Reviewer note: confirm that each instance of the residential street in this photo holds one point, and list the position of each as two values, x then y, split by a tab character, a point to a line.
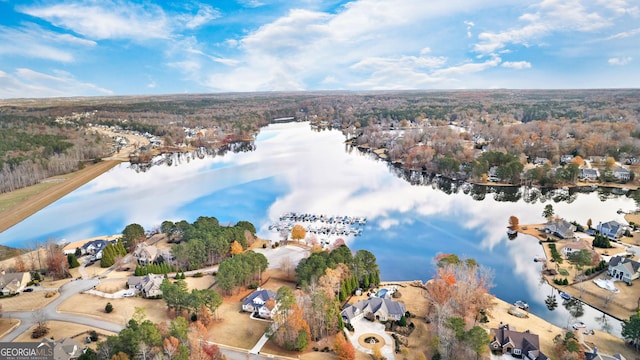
49	312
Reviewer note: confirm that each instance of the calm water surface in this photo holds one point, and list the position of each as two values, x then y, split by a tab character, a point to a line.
296	169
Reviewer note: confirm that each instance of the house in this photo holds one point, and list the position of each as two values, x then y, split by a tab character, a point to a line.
493	174
575	246
146	254
566	158
94	247
621	174
623	269
612	229
148	285
13	283
525	345
560	228
257	302
540	161
65	349
381	308
587	174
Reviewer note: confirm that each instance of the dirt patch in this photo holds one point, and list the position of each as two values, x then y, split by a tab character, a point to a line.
111	287
123	309
59	330
28	301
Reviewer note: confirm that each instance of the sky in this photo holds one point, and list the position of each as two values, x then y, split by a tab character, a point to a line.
112	47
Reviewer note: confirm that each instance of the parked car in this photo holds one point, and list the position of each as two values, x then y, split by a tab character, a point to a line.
27	290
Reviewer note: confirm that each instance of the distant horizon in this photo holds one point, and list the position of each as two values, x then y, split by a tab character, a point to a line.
78	48
297	92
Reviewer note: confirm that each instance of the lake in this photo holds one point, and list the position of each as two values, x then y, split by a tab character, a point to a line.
290	167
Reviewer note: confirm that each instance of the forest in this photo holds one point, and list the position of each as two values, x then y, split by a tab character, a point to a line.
442	132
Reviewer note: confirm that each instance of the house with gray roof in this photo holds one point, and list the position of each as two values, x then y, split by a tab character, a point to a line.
560	228
257	302
65	349
382	309
13	283
588	174
612	229
623	269
505	340
148	285
146	254
621	174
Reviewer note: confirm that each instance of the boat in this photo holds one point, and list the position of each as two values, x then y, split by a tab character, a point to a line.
539	259
521	304
565	296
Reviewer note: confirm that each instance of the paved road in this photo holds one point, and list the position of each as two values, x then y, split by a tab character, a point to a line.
49	312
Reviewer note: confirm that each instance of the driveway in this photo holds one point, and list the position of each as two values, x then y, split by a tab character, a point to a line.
364	326
277	256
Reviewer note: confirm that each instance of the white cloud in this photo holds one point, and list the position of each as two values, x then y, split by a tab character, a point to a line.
106	19
468	67
517	64
470	25
30	40
552	16
251	3
27	83
204	15
620	7
619	61
624	34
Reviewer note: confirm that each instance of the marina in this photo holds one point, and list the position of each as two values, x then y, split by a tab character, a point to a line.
328	225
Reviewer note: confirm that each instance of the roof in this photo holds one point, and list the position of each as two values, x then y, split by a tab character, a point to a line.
525	341
373	305
561	227
14	280
631	265
263	295
98	244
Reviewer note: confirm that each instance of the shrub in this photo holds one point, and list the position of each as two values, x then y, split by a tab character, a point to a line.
93	335
108	308
40	331
402	321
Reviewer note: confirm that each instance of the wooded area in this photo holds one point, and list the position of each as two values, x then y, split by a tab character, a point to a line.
433	131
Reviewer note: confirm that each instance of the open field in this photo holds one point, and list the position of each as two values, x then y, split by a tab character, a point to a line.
20	204
59	330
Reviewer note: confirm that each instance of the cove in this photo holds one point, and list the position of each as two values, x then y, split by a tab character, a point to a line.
291	167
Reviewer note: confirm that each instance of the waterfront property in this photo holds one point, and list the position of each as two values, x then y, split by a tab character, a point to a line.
623	269
519	344
575	246
381	309
560	228
612	229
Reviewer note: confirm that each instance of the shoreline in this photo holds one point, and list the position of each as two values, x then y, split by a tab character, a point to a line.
582	291
62	185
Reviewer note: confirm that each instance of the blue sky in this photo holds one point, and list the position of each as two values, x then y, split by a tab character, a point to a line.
111	47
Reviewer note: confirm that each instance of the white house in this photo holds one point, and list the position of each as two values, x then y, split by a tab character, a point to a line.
612	229
623	269
257	302
575	246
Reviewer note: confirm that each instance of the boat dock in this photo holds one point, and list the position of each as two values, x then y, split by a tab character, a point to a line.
321	224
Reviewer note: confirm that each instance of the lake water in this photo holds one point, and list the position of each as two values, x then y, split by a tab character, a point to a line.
293	168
